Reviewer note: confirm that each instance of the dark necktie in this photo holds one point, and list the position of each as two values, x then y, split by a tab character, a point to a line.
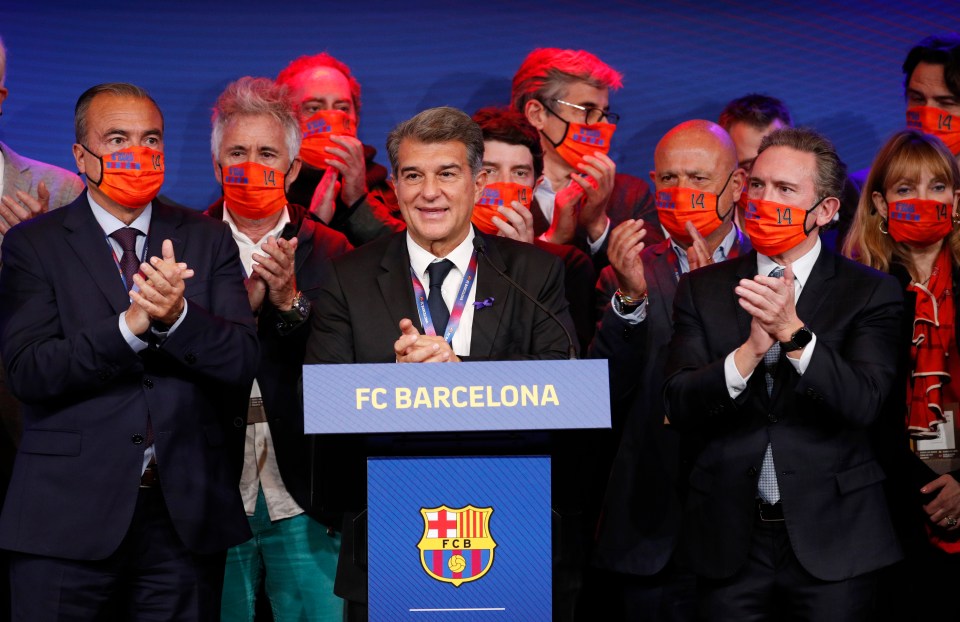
130	265
129	262
439	313
767	486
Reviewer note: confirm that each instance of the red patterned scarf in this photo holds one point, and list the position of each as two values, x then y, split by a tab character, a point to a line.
932	333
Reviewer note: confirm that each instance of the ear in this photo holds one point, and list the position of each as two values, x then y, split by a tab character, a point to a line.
292	175
3	96
956	202
653	178
78	154
217	172
738	181
480	182
880	205
535	113
826	211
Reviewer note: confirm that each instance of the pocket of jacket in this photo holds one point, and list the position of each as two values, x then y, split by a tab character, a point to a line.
51	442
860	476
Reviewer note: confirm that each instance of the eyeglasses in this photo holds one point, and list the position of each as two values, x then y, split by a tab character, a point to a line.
590	115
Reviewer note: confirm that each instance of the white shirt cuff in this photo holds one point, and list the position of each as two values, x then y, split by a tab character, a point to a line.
595	246
136	344
635	317
735	382
800	364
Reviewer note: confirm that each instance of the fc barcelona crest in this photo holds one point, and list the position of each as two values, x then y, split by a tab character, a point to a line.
456	546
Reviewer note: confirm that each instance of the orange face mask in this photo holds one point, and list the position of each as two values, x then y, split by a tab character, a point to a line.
581	140
500	194
774	228
677	206
938	122
919	222
132	177
253	190
316	136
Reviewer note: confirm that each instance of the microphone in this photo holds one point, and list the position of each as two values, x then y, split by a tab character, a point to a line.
480	245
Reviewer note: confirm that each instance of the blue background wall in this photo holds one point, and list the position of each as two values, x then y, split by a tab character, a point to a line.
835	64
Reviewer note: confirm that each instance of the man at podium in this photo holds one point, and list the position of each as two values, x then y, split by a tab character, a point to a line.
434	293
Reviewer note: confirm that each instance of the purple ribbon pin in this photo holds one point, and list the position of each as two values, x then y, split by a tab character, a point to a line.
483	303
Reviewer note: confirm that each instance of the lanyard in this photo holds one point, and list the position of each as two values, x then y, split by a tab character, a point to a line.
116	261
462	294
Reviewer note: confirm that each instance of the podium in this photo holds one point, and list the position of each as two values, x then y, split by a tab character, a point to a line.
458	477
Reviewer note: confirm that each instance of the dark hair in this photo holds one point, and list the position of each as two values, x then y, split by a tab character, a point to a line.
943	49
117	89
511	127
756	110
439	125
831	171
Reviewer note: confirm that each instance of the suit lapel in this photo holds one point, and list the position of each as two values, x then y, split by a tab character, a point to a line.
489	284
747	269
16	172
88	241
815	289
663	280
395	285
163	226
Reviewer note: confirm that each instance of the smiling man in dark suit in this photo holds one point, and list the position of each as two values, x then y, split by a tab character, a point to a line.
366	310
127	335
781	360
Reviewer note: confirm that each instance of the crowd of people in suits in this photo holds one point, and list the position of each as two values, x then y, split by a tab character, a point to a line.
780	334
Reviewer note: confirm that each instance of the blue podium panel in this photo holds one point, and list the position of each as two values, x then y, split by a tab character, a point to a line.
489	395
459	538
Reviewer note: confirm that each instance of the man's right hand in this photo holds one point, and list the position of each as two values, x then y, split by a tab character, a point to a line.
625	245
24	207
324	201
412	347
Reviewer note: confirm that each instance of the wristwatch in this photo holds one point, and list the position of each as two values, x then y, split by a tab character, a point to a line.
627	304
296	315
798	340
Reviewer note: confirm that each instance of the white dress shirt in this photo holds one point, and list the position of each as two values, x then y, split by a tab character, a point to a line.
802	268
421	258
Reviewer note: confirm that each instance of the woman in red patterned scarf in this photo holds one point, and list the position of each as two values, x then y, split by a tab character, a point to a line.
905	225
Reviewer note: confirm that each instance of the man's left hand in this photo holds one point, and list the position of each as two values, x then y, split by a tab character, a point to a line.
276	268
352	165
515	222
161	292
772	302
597	189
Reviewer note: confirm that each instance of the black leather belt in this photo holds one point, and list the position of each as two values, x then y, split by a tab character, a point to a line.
770	513
150	479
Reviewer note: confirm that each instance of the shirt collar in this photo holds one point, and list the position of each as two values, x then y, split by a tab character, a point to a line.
420	258
720	254
240	236
802	267
110	223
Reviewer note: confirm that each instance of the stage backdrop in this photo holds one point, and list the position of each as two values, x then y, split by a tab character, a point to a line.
835	64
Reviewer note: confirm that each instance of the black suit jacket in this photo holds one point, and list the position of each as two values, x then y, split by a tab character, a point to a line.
87	394
641	516
356	320
819	423
281	359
